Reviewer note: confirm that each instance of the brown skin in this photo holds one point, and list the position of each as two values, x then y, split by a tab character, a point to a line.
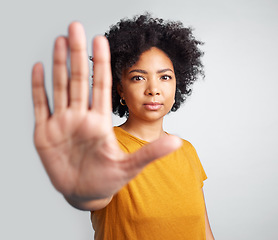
148	88
76	143
150	79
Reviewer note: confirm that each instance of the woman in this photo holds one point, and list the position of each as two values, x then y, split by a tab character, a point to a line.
110	171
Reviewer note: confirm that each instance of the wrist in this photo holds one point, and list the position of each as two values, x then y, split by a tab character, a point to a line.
88	205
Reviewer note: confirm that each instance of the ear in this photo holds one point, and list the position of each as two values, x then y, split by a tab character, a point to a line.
120	89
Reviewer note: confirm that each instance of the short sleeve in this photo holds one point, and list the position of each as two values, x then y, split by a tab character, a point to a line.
197	165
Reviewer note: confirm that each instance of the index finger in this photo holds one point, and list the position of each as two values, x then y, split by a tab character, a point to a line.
102	82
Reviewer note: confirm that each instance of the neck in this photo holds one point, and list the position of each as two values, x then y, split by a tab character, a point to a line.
145	130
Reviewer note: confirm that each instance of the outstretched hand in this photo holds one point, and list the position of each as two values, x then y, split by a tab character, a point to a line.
76	143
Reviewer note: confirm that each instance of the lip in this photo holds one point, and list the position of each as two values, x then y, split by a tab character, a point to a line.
153	106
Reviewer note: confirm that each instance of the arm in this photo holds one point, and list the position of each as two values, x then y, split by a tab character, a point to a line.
76	142
92	205
209	235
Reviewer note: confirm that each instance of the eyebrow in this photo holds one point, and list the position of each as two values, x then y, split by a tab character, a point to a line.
145	72
165	70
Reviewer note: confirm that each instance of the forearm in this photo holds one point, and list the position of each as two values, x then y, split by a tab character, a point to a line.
91	205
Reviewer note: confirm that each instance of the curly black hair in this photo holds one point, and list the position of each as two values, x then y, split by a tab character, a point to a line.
129	38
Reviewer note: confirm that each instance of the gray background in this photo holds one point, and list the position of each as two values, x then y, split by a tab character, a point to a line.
231	117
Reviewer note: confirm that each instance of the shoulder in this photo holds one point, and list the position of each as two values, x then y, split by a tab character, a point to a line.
188	151
187	146
192	157
186	143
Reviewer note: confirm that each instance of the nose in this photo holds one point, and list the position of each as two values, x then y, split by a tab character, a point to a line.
153	88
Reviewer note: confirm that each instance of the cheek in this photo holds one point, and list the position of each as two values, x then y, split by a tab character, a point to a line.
174	91
133	92
129	95
132	99
171	91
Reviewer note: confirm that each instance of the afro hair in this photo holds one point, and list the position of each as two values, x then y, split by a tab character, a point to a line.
129	38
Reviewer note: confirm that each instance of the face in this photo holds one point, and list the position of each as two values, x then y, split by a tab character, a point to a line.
149	86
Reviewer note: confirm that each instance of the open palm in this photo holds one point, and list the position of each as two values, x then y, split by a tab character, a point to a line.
76	143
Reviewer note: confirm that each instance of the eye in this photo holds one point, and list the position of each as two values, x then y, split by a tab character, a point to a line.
137	78
166	77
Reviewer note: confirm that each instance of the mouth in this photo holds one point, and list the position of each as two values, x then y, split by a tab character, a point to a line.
153	106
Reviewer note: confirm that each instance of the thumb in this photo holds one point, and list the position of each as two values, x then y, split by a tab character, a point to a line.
152	151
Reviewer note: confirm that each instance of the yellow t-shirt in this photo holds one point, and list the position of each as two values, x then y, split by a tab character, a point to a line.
164	201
